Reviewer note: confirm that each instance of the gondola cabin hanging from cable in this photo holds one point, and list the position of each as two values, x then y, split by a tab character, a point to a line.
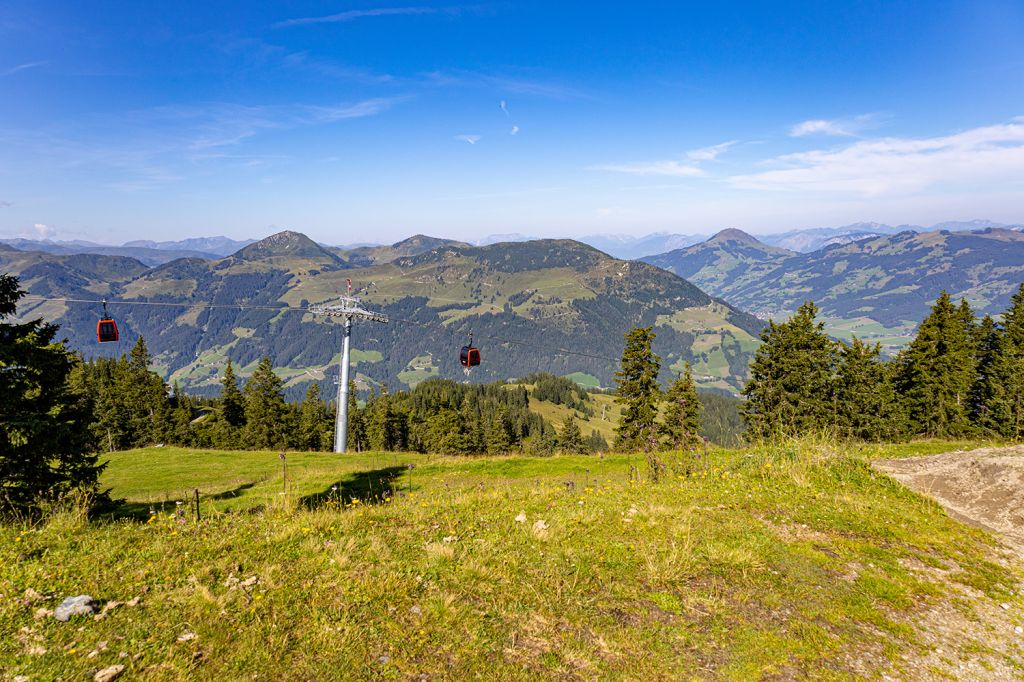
106	328
470	356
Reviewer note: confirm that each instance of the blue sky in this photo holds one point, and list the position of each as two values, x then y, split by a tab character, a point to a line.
361	121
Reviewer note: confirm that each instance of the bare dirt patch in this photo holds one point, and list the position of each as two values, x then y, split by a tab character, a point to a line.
983	487
968	636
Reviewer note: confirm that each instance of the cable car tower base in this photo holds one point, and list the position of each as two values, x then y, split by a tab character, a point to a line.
349	308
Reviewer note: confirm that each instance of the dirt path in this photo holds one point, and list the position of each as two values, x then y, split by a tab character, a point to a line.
982	487
969	637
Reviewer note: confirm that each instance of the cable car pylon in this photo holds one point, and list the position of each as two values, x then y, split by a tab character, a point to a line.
350	308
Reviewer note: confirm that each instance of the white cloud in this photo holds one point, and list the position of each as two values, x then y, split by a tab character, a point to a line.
514	131
472	139
838	127
892	165
709	153
6	204
44	231
670	167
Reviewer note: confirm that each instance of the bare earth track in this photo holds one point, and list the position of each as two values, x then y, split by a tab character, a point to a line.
984	488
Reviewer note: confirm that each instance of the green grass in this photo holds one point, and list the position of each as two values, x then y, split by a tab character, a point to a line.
777	562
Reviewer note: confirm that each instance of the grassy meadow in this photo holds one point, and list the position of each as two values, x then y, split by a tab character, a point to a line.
781	562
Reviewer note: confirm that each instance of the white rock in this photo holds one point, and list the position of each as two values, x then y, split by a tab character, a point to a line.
109	674
521	518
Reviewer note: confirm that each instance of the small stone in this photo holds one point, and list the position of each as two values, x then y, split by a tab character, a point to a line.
32	596
416	610
42	613
21	678
1019	630
1004	606
186	637
250	581
384	659
449	539
109	674
540	525
82	605
521	518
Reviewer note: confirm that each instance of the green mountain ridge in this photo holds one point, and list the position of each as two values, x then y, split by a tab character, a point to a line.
876	287
523	302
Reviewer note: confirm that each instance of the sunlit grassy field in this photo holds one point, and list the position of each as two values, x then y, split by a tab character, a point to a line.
789	561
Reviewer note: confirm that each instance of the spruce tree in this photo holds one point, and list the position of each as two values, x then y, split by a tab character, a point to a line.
45	441
570	440
314	420
232	404
1009	371
988	403
937	372
638	390
791	390
266	413
680	428
596	442
867	405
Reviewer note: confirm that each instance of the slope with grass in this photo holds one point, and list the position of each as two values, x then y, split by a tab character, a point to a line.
788	562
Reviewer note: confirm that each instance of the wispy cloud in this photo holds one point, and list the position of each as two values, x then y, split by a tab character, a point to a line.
471	139
353	14
516	85
23	67
893	165
514	131
6	204
688	167
837	127
44	231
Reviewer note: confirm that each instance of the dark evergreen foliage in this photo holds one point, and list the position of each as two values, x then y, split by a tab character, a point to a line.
638	391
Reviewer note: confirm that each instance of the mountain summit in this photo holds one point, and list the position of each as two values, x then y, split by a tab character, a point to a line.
286	244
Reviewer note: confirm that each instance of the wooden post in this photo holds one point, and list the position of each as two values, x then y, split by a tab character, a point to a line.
198	515
284	473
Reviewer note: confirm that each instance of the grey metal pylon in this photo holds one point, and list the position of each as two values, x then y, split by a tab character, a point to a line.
349	308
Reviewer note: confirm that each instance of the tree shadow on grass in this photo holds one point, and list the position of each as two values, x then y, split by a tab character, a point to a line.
369	487
141	511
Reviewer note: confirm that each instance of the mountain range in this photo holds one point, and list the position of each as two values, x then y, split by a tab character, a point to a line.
878	287
558	306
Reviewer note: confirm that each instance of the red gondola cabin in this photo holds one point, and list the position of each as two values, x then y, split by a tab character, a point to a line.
470	356
106	330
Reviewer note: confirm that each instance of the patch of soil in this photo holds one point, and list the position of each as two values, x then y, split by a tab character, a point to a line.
984	488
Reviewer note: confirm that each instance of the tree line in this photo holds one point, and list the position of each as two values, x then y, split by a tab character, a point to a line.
959	377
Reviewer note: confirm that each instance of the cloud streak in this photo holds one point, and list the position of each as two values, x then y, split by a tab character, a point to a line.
838	127
471	139
688	168
893	165
23	67
354	14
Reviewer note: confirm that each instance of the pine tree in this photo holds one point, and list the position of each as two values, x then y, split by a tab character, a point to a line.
988	403
266	413
1009	371
232	403
570	440
356	422
791	390
680	428
638	390
937	372
866	400
45	441
596	442
314	419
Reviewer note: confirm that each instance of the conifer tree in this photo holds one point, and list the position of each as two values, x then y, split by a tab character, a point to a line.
596	442
866	400
266	413
570	440
314	419
1009	371
232	404
791	390
638	390
45	441
988	403
937	372
356	422
680	428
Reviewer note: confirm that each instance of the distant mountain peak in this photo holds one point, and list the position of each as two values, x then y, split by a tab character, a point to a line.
733	235
285	244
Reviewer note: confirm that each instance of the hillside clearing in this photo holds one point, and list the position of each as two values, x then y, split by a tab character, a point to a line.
772	563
